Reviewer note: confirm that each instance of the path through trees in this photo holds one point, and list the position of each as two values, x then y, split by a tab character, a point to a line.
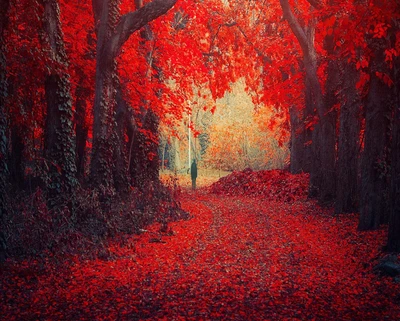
237	258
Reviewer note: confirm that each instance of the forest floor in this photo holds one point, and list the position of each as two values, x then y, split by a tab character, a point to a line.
239	257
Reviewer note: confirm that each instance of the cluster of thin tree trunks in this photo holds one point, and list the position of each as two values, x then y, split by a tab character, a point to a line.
351	152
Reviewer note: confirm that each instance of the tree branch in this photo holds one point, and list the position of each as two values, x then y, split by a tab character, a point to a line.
228	24
138	4
295	25
97	6
265	58
317	4
133	21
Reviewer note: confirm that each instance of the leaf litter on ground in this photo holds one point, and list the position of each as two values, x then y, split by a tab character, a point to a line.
242	256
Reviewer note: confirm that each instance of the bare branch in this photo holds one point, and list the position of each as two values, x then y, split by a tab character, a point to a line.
265	58
228	24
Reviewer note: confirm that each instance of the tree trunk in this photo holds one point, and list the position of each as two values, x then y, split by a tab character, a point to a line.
347	190
323	139
144	165
153	163
4	6
135	169
102	165
163	150
327	125
121	181
176	157
59	134
375	160
394	219
323	176
15	164
112	33
81	128
300	139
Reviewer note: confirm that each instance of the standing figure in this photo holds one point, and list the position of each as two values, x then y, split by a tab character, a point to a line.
193	173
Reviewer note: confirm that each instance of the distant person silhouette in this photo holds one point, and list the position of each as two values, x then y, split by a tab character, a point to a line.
193	173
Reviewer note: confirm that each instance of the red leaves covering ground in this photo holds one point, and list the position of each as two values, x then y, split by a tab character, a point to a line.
276	185
237	258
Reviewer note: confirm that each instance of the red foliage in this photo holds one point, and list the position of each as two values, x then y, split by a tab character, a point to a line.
272	185
238	258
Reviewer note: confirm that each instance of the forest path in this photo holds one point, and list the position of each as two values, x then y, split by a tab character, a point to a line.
237	258
272	260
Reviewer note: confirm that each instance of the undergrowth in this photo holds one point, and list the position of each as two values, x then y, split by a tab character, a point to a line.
85	219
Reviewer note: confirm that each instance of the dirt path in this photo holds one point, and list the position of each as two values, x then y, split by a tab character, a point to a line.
237	258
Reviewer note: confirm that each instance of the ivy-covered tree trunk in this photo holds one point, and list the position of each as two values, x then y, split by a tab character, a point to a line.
4	6
102	165
112	33
82	94
144	165
145	160
375	161
347	187
153	163
59	134
81	128
121	177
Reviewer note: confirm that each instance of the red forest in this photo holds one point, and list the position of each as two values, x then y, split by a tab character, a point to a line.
286	113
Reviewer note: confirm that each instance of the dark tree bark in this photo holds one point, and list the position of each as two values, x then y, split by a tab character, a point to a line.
111	35
394	219
59	135
326	128
316	3
102	164
309	115
16	157
144	158
347	187
81	129
375	160
300	161
121	177
144	165
82	94
323	140
301	135
4	6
